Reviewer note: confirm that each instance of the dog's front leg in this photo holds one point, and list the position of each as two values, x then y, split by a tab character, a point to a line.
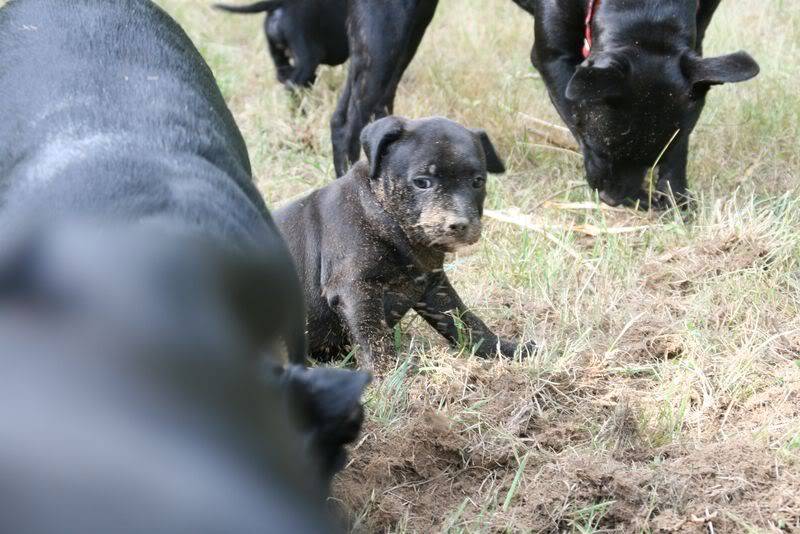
362	311
558	39
672	176
443	309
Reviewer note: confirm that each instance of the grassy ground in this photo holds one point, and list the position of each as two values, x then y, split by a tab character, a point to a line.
667	394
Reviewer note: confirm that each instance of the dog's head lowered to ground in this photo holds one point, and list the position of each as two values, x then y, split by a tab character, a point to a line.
430	174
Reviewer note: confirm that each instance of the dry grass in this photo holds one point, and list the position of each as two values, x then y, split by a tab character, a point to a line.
667	394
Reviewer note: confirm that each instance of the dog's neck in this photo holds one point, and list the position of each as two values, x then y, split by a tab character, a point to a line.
622	24
385	225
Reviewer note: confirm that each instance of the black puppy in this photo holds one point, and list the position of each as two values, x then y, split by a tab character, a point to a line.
371	245
112	120
629	80
301	35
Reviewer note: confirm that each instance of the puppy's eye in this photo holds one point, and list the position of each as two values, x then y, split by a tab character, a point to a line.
423	183
478	182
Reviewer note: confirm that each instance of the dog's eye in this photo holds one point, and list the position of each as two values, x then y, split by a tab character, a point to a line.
478	182
423	183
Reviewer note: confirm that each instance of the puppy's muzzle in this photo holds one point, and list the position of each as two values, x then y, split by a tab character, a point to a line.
462	230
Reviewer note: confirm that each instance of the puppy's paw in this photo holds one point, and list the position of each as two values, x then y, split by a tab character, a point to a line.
509	348
528	349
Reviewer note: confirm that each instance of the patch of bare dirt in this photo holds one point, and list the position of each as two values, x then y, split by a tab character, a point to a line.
414	471
417	474
678	270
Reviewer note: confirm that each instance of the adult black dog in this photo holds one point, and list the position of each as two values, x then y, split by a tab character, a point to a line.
634	90
371	245
130	403
638	92
112	120
301	36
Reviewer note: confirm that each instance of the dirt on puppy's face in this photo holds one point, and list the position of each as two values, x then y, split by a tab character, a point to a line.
430	175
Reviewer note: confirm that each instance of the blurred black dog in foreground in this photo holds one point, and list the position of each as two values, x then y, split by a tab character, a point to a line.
129	403
127	206
301	36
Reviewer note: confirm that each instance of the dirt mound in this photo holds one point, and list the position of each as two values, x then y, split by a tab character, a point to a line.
507	450
411	472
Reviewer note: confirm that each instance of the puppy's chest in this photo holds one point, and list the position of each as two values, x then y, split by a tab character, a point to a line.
402	292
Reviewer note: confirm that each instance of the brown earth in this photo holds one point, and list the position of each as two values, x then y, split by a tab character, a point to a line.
598	451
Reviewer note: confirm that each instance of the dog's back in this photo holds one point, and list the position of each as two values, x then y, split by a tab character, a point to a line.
144	115
109	112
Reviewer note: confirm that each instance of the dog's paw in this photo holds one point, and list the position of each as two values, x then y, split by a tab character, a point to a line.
509	349
528	349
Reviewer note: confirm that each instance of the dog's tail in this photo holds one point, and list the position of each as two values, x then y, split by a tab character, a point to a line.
258	7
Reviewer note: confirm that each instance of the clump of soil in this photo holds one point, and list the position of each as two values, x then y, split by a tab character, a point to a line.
419	472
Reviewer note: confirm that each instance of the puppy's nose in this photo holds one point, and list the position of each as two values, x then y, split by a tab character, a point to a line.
459	225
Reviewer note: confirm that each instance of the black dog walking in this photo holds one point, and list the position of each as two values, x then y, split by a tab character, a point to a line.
301	36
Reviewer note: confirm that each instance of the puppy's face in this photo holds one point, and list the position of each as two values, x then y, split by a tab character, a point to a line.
430	174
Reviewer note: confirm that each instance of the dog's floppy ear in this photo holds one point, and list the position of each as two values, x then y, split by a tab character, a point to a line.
377	136
702	73
494	164
327	396
598	79
327	402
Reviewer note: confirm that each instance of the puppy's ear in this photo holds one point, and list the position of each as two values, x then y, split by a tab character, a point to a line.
377	136
494	164
702	73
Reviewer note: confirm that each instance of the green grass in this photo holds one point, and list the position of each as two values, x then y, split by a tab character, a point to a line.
665	351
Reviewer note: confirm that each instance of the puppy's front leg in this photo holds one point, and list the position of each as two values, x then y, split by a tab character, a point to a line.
438	307
361	309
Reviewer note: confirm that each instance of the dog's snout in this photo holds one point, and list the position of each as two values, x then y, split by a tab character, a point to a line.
458	225
609	199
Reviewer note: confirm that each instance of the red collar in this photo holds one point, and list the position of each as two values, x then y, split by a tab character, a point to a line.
587	39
